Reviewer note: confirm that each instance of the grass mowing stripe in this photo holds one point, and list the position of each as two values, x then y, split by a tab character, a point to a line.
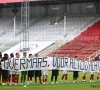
60	86
48	85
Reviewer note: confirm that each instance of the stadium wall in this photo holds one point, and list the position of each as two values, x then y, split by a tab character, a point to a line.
0	13
37	11
7	12
73	9
98	8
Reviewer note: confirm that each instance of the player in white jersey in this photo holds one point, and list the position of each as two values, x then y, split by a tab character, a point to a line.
85	71
65	73
17	72
98	74
11	72
45	75
92	74
84	76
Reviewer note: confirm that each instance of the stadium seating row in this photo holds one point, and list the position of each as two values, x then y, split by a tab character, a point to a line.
87	43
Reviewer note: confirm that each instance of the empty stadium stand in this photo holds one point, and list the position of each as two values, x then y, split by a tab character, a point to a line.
87	43
42	30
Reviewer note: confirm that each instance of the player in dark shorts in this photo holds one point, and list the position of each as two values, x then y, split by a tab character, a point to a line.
37	73
4	72
30	73
55	73
75	73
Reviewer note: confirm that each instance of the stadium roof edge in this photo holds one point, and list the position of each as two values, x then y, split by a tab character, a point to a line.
57	1
14	1
17	3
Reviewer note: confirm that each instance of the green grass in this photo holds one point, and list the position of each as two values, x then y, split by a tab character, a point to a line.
60	86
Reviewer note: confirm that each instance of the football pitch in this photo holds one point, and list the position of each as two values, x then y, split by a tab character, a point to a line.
61	86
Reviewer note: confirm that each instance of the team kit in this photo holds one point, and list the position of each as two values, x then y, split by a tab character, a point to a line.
13	77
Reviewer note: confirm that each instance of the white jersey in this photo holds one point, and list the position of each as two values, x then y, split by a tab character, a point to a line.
11	72
65	71
85	71
92	72
44	72
14	72
98	72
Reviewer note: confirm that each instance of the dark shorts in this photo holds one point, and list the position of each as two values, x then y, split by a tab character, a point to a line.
24	73
4	74
31	73
75	74
55	72
37	73
0	71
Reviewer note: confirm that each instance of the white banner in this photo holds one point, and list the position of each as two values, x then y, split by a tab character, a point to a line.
45	63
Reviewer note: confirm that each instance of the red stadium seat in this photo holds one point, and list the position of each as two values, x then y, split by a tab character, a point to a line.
87	43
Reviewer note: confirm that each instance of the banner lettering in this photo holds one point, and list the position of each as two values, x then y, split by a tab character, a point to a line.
46	63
